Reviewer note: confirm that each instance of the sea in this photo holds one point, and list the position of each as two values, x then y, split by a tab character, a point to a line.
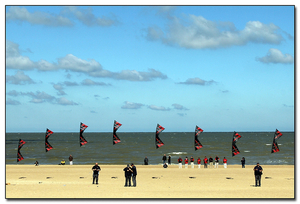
135	146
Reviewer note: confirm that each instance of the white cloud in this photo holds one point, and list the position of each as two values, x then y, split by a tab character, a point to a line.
42	97
10	101
197	81
87	17
131	105
65	102
72	63
200	33
39	18
179	107
276	56
158	108
19	78
89	82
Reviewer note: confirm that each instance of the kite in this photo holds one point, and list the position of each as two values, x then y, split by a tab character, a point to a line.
81	138
158	141
19	156
198	131
275	147
235	150
277	134
236	137
48	147
116	139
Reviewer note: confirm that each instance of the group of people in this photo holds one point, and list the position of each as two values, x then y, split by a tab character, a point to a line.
63	162
130	173
211	162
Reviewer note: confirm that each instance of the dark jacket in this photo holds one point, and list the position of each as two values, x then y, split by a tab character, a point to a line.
128	171
134	172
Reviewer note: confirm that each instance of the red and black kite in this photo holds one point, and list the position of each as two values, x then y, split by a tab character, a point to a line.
81	138
116	139
198	131
236	137
48	147
19	156
275	147
158	141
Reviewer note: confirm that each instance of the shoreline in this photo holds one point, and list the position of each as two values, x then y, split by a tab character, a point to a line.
153	181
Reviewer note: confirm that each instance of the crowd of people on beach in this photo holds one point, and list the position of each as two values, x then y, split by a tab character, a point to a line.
131	172
212	163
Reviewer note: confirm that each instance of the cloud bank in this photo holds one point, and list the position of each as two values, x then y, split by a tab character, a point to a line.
196	32
14	60
64	19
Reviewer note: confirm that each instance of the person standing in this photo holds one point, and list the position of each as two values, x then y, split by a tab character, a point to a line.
243	161
146	161
216	162
180	163
257	173
199	162
164	159
169	160
205	162
225	163
71	159
192	162
96	170
128	173
211	162
134	173
186	162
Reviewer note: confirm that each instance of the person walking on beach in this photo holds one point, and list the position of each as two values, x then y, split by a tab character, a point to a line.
164	158
128	173
243	161
257	172
205	162
199	162
211	162
216	162
169	160
225	163
146	161
134	173
96	170
71	159
186	162
192	162
180	163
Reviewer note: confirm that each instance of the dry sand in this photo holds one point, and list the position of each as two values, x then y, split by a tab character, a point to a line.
153	181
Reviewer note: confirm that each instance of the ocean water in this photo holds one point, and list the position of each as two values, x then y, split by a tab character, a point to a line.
135	146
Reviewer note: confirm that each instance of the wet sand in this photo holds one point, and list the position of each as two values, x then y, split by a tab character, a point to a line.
153	181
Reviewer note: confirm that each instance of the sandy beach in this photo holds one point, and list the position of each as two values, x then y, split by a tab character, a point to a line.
153	181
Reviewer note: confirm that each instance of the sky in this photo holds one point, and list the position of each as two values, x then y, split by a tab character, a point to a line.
222	68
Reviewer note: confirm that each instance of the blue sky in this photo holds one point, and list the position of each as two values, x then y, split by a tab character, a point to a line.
223	68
